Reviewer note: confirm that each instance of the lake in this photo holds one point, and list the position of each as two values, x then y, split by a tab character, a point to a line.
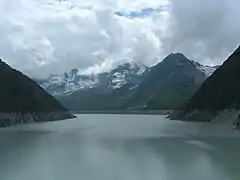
120	147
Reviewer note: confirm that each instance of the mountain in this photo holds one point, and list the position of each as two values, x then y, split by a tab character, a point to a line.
109	92
22	100
218	99
67	83
168	85
75	80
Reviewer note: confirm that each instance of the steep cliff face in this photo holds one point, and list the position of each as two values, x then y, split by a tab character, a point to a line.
219	95
22	100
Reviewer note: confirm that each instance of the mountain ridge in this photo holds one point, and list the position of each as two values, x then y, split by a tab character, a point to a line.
167	85
74	80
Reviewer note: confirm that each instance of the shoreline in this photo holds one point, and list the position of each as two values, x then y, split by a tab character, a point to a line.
16	118
224	117
137	112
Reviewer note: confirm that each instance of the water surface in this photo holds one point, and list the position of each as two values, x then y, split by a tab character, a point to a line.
119	147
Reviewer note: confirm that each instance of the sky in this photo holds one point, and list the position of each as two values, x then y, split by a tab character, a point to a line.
43	37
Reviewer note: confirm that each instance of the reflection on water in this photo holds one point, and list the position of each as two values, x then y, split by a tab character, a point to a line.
107	147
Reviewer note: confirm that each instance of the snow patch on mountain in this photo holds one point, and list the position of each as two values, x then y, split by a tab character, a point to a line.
124	73
119	80
133	87
207	70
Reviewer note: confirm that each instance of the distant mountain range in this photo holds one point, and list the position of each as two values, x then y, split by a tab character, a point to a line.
75	80
218	99
22	100
131	86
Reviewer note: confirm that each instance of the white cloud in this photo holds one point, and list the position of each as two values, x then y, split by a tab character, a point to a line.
41	37
207	31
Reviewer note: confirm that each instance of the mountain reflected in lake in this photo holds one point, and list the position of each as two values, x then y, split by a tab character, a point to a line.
119	147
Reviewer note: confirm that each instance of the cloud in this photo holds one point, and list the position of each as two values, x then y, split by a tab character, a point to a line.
42	37
204	30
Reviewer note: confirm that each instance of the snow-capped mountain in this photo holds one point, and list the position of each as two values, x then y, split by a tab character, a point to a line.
68	82
127	73
167	85
75	80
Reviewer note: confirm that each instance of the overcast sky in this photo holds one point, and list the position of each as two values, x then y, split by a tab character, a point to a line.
42	37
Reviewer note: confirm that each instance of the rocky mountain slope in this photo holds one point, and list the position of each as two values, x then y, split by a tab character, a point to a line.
22	100
167	85
218	99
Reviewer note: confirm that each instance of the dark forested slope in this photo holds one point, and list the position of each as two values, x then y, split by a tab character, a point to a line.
23	100
220	92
